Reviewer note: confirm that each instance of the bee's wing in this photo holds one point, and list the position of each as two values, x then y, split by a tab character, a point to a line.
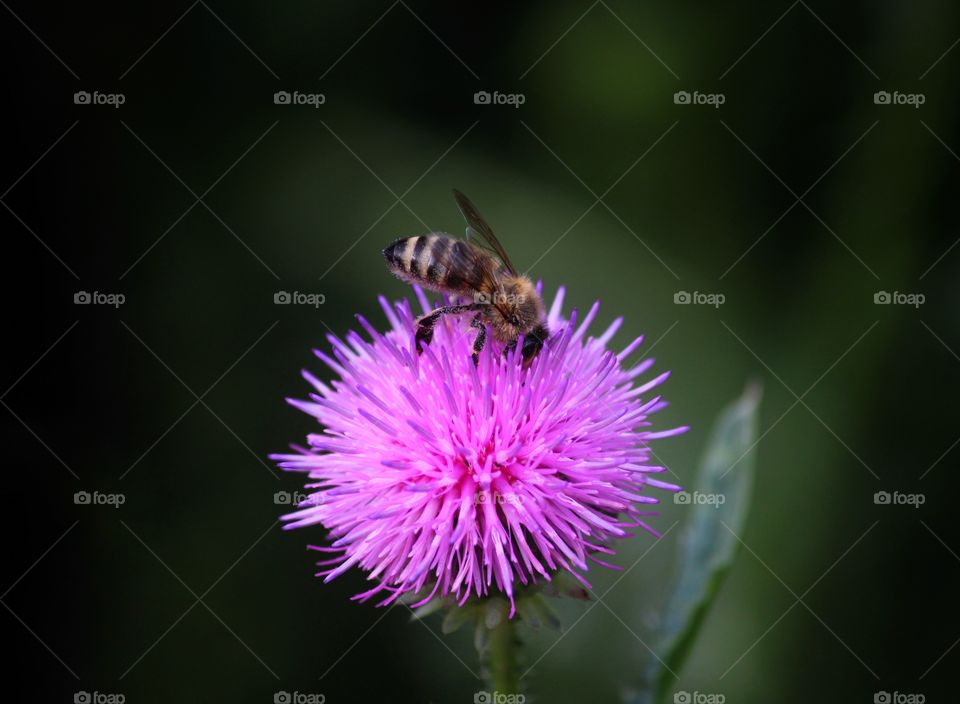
481	273
478	267
479	226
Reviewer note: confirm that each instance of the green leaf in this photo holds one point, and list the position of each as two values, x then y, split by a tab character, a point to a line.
481	638
456	617
430	607
535	611
707	545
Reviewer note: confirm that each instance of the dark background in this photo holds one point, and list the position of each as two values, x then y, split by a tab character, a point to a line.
302	199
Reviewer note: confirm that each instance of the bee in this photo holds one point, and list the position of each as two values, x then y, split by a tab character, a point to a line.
504	300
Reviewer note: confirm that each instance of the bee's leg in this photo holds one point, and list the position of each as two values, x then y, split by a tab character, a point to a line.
426	323
481	338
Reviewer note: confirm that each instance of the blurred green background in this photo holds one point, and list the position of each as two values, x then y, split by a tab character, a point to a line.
798	199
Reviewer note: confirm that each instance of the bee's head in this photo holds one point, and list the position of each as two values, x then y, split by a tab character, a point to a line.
532	343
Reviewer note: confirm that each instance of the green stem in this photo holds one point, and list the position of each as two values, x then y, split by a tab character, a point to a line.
503	673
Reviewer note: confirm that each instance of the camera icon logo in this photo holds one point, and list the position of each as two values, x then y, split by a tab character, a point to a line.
682	698
81	698
81	498
882	298
482	697
681	497
81	97
682	298
282	298
481	97
82	298
281	97
881	498
881	97
282	698
681	97
282	498
881	698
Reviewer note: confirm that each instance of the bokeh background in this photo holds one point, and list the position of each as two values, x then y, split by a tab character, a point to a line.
798	200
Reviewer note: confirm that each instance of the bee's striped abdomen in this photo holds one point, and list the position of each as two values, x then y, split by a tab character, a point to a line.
405	255
437	267
438	262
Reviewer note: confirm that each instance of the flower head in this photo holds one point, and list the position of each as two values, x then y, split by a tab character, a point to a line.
441	477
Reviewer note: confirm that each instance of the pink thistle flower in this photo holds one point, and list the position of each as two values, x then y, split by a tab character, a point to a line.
441	477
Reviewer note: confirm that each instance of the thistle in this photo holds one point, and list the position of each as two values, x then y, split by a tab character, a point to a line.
448	479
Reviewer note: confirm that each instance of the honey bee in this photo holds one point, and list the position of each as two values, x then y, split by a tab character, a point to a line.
503	299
